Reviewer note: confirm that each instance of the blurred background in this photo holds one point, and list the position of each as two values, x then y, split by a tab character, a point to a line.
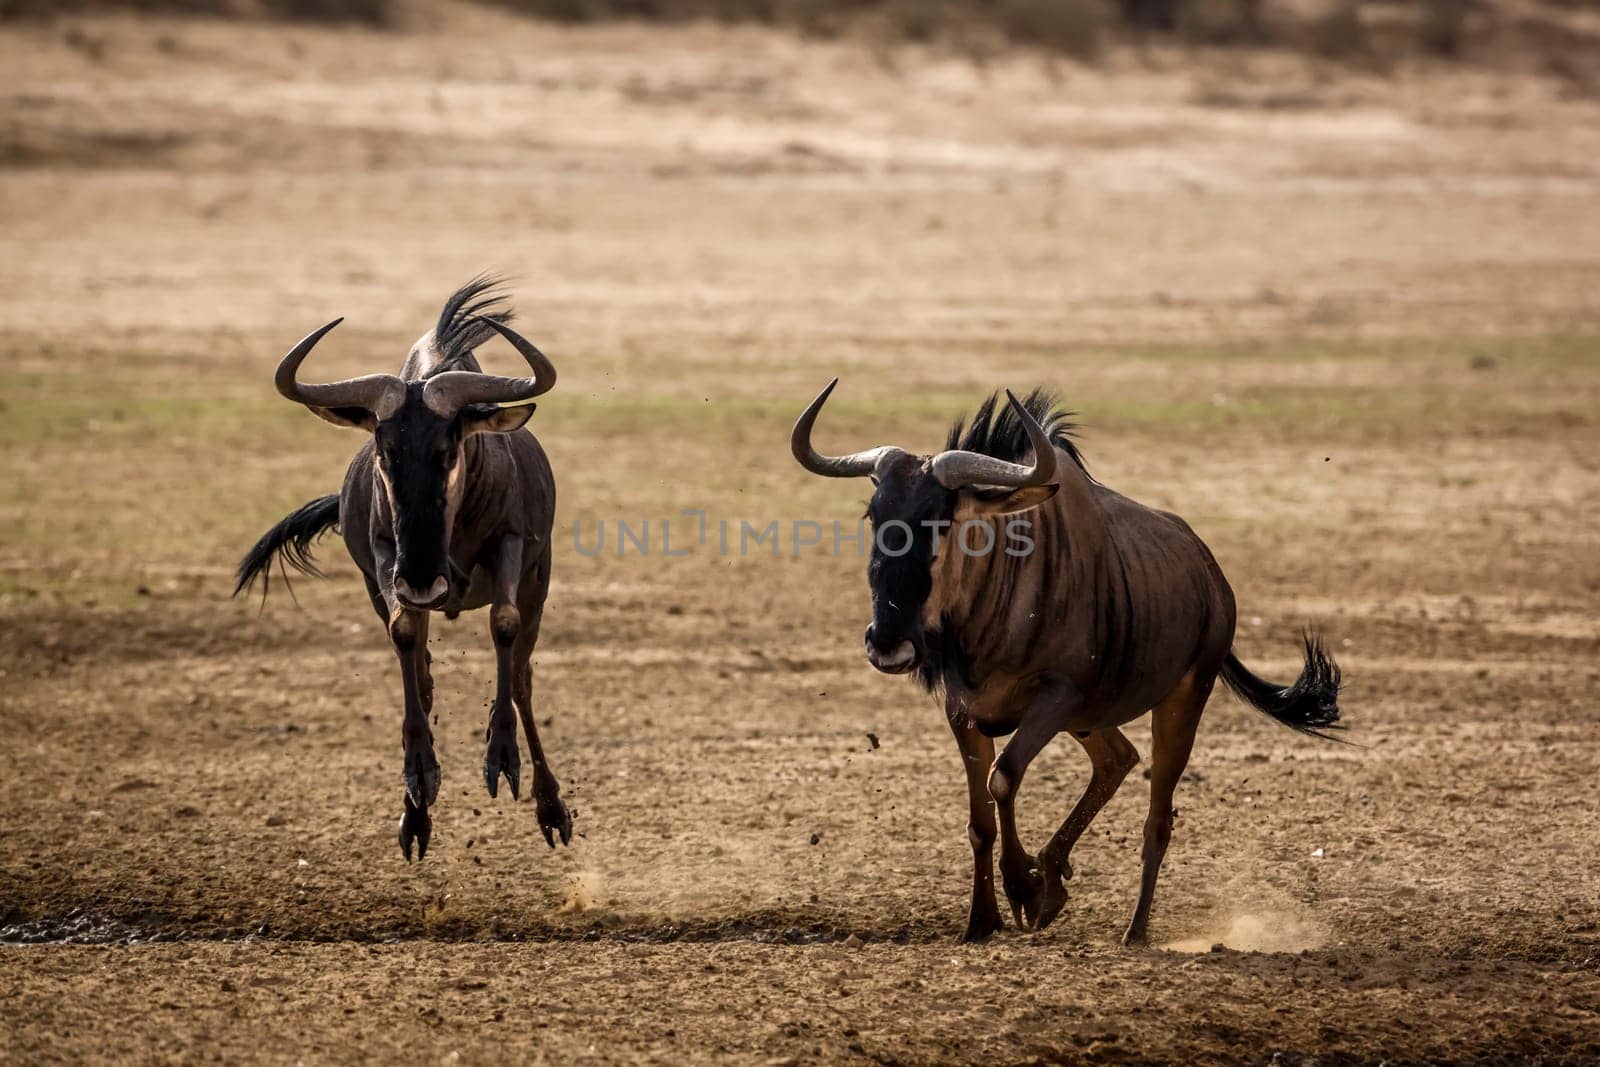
1322	278
1557	36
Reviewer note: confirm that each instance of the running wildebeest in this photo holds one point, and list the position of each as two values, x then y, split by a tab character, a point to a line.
1095	610
447	508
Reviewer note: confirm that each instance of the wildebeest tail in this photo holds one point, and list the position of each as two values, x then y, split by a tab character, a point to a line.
290	541
1310	705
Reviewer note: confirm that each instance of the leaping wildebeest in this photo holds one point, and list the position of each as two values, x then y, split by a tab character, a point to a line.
447	508
1094	611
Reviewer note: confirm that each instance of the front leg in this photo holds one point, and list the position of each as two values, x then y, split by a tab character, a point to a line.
977	753
1047	715
408	633
408	630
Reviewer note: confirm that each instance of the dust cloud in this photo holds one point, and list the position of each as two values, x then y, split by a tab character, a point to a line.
1258	930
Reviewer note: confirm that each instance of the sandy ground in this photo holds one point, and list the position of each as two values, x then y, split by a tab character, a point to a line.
1346	325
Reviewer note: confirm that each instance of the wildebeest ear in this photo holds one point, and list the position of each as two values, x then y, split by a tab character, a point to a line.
1013	502
349	418
496	420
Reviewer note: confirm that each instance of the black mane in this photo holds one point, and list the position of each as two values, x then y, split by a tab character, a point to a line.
461	325
996	431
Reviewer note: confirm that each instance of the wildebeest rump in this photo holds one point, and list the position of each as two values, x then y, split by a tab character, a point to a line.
1114	609
447	508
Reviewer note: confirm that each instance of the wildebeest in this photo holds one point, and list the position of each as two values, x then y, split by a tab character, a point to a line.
1095	611
447	508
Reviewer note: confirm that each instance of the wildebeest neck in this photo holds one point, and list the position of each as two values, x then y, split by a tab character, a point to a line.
991	610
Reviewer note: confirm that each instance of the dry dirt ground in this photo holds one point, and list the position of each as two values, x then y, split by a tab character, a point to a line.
1346	325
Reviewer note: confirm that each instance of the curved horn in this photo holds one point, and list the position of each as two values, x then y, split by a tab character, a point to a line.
377	393
449	391
854	465
957	469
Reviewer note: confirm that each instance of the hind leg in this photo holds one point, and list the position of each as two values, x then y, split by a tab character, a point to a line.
555	820
505	625
1111	757
1173	725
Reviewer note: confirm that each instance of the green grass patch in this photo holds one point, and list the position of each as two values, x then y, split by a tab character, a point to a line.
174	467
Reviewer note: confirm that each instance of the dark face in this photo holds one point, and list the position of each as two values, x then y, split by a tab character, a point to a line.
418	457
904	508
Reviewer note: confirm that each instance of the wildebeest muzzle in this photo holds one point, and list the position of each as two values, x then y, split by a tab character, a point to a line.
893	656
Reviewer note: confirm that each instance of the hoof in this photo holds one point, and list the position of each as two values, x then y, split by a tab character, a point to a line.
415	828
1025	893
503	758
554	821
422	786
981	927
1027	914
491	779
1052	899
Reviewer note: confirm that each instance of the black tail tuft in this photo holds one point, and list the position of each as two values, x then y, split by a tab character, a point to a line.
291	542
1310	705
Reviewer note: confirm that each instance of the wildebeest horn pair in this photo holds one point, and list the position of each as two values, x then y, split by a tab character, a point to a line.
445	393
955	469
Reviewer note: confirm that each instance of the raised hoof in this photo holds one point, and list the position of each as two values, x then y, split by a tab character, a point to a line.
422	786
503	758
416	827
1026	914
491	779
1025	894
1052	899
554	820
